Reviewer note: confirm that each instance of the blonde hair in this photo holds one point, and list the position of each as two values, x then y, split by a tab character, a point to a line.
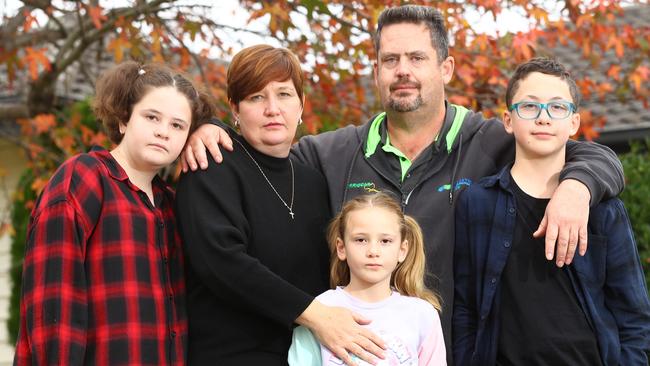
408	276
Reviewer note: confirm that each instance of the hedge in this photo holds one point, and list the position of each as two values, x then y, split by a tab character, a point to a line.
636	197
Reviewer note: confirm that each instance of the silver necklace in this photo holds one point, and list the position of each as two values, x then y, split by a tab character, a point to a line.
289	207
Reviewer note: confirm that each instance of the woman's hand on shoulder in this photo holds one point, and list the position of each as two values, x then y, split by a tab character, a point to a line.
340	330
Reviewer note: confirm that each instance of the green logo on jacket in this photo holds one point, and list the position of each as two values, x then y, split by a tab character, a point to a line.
367	186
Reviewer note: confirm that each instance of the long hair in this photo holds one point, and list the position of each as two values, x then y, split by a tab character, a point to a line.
408	276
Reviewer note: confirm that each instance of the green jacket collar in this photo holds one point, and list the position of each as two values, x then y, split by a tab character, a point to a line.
374	133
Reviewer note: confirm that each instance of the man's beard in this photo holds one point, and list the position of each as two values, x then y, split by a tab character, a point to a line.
402	105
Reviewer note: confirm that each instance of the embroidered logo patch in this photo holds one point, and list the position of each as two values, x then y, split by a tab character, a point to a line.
459	184
366	186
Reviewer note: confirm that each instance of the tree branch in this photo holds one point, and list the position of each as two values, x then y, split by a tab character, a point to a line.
11	112
41	93
34	38
195	58
9	29
338	19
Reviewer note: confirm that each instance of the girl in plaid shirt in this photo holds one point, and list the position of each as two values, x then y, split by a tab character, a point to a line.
103	272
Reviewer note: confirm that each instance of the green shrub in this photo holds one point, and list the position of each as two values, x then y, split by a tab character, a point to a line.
637	198
19	221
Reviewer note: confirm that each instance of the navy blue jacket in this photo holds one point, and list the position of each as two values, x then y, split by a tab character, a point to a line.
608	280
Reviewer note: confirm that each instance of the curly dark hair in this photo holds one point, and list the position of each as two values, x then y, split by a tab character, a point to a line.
122	86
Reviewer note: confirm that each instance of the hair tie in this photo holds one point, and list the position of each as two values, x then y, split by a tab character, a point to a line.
141	71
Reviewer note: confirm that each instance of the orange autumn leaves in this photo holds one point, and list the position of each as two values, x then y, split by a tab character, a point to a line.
333	39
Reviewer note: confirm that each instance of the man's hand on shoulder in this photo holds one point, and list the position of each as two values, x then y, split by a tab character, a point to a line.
208	136
565	222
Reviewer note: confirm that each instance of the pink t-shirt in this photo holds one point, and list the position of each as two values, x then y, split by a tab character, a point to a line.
409	326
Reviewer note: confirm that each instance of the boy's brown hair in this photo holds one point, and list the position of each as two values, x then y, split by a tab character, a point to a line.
545	66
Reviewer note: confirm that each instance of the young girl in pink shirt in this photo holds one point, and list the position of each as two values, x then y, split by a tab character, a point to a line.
377	271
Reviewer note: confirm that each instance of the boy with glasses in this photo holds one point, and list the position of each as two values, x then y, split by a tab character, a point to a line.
511	307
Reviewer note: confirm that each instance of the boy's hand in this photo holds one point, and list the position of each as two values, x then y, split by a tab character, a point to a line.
206	136
565	221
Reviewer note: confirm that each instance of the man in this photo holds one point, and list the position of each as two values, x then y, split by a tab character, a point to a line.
425	150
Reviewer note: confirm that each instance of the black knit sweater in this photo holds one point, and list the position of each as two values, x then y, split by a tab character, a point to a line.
252	269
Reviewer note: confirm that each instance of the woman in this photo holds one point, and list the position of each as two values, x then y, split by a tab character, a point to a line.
253	227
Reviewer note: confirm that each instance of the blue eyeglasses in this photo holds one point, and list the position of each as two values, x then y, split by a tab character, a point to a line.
559	109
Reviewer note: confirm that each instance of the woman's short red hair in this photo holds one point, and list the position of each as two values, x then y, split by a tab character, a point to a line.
254	67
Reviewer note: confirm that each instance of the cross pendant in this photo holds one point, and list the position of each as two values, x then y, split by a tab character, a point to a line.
291	213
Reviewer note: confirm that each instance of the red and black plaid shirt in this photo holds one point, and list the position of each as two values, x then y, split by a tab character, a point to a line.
103	272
